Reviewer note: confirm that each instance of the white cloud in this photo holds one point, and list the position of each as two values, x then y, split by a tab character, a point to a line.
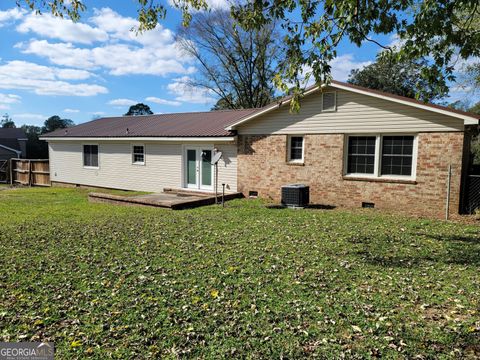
71	111
53	27
118	59
162	101
153	52
122	102
7	99
29	116
342	65
64	54
184	91
44	80
10	15
98	113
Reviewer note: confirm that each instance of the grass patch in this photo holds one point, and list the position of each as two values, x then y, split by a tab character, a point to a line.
105	281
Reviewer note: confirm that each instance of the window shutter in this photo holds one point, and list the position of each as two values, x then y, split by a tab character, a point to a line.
329	101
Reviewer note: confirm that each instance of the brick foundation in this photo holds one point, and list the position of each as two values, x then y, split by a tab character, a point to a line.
262	167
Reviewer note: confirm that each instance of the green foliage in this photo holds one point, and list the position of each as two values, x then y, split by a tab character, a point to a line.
436	30
475	150
223	103
104	281
60	8
465	105
7	122
472	73
398	77
36	148
139	109
55	122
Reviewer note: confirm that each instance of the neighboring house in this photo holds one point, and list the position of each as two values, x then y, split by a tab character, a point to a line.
13	143
351	145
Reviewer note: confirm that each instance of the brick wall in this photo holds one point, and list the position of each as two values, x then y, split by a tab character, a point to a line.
263	167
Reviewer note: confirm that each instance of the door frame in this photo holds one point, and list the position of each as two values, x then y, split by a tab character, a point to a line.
198	148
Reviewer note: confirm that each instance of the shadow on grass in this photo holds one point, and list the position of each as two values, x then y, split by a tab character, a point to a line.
308	207
474	239
459	250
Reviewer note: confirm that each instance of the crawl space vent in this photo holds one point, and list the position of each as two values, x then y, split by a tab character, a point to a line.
368	205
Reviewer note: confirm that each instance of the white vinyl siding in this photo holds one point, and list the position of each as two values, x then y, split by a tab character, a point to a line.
164	167
227	167
355	114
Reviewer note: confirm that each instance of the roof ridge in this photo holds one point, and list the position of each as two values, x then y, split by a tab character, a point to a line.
175	113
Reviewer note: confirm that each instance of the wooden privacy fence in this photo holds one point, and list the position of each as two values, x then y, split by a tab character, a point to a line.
4	171
29	172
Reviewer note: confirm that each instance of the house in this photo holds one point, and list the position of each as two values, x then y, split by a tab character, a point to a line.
13	143
353	146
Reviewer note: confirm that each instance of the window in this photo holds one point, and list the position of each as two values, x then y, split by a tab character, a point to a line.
90	156
361	154
138	154
295	150
381	155
329	101
397	155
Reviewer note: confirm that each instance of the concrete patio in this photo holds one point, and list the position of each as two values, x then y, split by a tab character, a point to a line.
170	199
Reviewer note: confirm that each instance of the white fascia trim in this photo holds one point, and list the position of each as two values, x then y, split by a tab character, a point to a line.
145	139
268	109
18	152
469	120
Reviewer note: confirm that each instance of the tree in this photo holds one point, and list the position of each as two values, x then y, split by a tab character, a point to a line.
139	109
439	31
398	77
7	122
36	148
472	76
235	64
222	104
56	122
465	105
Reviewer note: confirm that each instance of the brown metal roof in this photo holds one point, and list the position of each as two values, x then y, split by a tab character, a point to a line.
194	124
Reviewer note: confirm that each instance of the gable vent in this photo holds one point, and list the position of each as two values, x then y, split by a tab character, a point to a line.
329	101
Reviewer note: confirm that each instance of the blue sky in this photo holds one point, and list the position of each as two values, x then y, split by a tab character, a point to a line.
98	67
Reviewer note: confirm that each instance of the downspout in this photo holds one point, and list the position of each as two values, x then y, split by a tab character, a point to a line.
449	182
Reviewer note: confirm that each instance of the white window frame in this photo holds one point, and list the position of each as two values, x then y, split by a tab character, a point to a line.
335	98
289	151
98	156
139	163
378	158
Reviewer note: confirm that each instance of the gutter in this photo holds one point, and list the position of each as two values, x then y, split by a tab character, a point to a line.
143	138
18	152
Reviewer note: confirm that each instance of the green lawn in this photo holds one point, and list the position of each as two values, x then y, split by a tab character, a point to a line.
104	281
